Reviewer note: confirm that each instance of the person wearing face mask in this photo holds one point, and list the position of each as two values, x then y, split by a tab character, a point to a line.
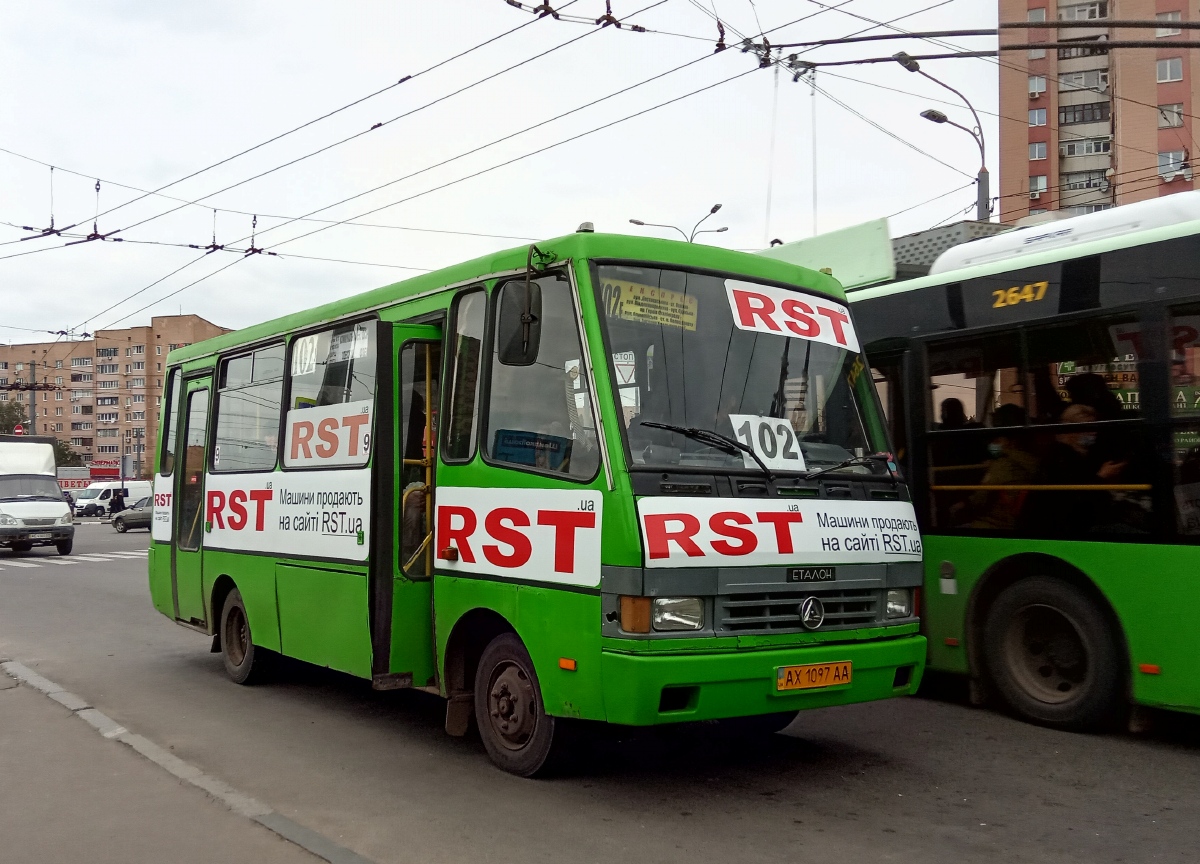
1009	464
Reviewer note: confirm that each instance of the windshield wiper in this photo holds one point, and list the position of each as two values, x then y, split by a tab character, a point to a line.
855	460
724	443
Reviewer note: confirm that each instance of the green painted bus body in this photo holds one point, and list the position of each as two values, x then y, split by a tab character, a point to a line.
319	611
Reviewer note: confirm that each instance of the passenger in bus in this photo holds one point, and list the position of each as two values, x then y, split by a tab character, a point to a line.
952	414
1010	464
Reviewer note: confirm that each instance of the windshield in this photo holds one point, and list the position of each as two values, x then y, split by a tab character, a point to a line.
88	493
26	487
775	369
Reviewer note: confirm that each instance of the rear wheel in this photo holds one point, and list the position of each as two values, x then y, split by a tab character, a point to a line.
244	662
64	547
119	524
519	735
22	546
1051	652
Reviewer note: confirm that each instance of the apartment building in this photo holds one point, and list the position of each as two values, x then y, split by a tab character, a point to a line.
1084	128
105	392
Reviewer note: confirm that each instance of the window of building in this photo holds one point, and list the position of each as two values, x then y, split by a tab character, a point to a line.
1089	112
1167	29
109	385
1037	116
81	361
134	350
139	366
137	382
1090	79
1084	180
1172	162
1086	147
1170	69
107	369
138	398
1037	184
158	350
463	405
58	427
106	400
249	402
108	448
107	433
3	397
3	380
106	352
107	417
1170	116
138	415
3	364
1083	11
57	395
58	364
540	415
1037	85
1036	15
1037	150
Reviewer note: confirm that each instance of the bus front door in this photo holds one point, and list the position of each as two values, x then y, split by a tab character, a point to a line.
188	518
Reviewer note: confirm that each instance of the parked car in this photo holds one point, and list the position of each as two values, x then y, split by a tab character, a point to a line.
138	516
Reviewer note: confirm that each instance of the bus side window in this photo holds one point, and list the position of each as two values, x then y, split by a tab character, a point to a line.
463	403
167	421
540	415
249	398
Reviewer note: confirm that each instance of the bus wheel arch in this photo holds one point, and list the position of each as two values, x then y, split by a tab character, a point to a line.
468	639
220	591
1031	571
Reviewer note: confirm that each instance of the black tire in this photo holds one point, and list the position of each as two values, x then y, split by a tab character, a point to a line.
1052	654
520	737
758	725
64	547
21	546
245	663
119	524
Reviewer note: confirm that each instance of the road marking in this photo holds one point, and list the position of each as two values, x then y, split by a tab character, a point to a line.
91	558
58	562
9	563
238	802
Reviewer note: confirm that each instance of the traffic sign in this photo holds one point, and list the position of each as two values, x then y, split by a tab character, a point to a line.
18	429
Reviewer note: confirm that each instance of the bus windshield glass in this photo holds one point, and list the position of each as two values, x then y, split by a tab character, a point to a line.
773	368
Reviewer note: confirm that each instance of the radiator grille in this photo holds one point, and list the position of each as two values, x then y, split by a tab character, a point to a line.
779	611
38	523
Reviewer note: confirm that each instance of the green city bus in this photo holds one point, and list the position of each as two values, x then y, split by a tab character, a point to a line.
1043	392
538	486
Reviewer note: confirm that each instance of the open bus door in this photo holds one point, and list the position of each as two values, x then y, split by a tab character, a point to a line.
401	595
188	519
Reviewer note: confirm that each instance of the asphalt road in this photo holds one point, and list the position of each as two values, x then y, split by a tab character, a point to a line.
915	780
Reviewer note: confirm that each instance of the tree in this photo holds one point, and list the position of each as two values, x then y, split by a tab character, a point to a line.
11	413
65	456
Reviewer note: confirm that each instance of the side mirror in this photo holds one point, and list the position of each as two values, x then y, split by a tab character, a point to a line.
519	323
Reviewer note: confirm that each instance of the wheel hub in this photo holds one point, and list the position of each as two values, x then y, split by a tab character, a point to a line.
511	706
1047	654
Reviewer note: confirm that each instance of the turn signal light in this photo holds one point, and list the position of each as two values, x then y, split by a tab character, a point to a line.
635	614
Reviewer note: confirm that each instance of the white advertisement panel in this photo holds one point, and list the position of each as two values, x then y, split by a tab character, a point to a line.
328	436
767	309
160	524
741	532
306	514
540	535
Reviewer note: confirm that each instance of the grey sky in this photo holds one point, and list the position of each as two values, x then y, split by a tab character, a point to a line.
143	93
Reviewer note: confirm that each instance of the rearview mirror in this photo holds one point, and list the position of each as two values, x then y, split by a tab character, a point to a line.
518	339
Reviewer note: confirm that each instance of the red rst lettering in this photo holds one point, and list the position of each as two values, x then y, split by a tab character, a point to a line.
751	306
565	522
837	320
747	539
802	323
302	432
354	423
783	523
327	432
448	535
216	503
261	497
493	523
237	507
658	538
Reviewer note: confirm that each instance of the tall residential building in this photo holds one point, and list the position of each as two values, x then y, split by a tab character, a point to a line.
1083	128
105	392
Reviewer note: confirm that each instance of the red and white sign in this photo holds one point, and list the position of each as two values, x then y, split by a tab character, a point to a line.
105	468
541	535
160	524
329	436
18	429
703	532
767	309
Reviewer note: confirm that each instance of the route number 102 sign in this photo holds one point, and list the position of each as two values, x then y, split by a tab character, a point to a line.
772	438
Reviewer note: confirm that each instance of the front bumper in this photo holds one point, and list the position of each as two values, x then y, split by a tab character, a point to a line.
10	534
713	686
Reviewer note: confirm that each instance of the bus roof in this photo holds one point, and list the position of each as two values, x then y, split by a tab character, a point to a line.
1118	228
571	246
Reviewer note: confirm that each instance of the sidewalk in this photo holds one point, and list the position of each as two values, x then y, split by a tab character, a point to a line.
68	794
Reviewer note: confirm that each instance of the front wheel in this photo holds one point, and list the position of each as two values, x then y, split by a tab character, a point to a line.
1053	656
516	730
244	662
22	546
119	524
64	547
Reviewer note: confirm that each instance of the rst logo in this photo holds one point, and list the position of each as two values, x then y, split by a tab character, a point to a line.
329	435
766	309
729	533
162	499
238	508
544	535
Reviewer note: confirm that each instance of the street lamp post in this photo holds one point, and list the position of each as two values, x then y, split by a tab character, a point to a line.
983	198
690	238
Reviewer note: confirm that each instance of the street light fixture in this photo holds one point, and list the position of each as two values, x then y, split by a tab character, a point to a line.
983	200
690	238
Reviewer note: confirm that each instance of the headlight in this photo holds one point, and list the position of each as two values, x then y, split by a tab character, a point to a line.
66	519
5	519
677	613
899	603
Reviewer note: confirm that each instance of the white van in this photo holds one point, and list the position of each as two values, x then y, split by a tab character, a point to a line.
96	499
33	511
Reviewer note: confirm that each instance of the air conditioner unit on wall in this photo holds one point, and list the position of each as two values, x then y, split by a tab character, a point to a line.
1033	196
